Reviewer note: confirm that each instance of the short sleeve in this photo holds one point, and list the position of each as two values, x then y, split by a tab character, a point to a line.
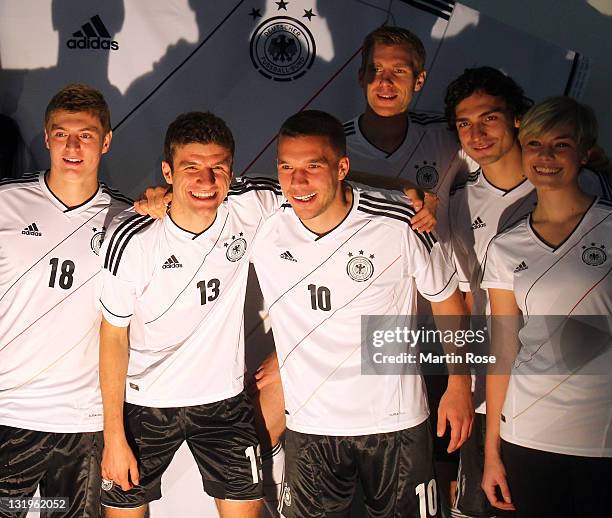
121	269
460	256
431	265
497	272
265	191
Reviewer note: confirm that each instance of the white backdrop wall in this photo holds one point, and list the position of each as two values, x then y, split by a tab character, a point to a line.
253	62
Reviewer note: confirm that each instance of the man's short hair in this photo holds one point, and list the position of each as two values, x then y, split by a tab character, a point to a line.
490	81
197	128
75	98
316	123
561	112
390	35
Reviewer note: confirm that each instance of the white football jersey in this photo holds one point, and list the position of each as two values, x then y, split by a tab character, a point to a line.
478	212
317	288
430	157
182	295
560	395
49	314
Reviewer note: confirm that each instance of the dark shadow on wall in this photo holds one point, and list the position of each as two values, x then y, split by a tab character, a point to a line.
29	91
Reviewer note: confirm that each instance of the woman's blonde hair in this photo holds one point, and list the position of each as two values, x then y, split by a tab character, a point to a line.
557	112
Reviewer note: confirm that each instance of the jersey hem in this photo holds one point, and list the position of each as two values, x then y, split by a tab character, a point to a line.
585	452
396	427
37	426
465	286
497	285
151	403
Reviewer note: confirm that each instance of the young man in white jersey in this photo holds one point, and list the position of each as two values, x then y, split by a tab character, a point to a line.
179	283
51	229
333	254
485	107
391	146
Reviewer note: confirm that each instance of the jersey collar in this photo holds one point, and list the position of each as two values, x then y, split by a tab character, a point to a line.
338	228
518	190
211	233
554	249
376	151
69	211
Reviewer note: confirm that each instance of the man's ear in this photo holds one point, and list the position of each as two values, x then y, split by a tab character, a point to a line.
46	139
343	167
167	172
107	141
420	80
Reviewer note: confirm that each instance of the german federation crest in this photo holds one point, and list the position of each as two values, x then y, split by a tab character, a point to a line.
359	267
236	248
594	255
282	48
96	240
427	175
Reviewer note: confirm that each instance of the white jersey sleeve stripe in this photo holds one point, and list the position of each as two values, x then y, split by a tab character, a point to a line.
442	290
375	203
115	314
248	188
425	238
116	195
122	236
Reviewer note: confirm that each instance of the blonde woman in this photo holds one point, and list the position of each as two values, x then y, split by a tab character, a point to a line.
548	443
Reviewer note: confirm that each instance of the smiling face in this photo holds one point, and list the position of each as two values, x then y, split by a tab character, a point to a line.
552	161
310	173
486	128
200	176
388	80
76	142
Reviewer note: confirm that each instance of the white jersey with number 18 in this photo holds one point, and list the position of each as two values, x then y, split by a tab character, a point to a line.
49	314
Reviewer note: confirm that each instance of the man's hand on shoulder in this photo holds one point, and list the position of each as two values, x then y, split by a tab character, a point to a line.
425	205
154	202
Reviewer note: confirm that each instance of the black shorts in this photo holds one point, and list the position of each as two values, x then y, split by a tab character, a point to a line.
61	464
553	485
395	471
221	436
471	499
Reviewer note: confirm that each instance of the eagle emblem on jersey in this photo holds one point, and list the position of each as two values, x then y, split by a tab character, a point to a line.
96	240
236	248
359	267
427	175
594	255
282	48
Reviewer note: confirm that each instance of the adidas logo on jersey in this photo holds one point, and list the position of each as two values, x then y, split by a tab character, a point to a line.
287	255
172	262
521	267
31	230
478	223
92	35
